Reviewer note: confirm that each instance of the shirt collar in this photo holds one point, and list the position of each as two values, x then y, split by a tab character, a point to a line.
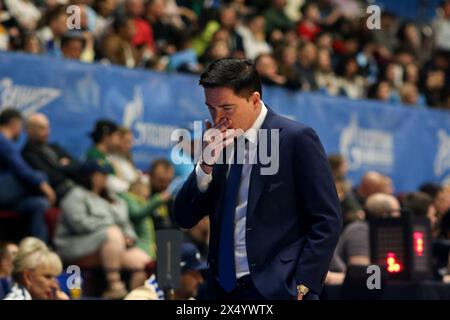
252	133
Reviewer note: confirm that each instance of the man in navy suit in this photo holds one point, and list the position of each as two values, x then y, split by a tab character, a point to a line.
272	235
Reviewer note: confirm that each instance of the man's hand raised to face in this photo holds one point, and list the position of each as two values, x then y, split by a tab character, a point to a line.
215	140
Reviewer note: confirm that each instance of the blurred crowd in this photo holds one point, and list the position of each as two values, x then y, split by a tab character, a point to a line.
109	213
322	45
110	210
375	198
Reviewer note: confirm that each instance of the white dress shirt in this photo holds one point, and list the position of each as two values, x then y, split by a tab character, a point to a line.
240	217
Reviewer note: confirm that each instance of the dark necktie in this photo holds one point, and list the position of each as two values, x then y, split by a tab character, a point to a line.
226	266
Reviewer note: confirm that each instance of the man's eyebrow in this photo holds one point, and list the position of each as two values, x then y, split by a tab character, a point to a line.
222	105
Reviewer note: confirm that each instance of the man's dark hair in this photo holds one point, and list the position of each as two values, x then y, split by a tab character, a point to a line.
160	162
240	75
72	36
335	161
8	115
418	203
102	129
120	22
430	188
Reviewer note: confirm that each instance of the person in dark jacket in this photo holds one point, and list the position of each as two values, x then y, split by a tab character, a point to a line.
23	190
53	160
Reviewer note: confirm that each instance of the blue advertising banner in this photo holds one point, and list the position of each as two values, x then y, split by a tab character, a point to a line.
410	145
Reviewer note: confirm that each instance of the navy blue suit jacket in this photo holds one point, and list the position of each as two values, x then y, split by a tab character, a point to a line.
293	217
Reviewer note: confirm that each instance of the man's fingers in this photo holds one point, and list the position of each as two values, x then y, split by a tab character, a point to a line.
223	124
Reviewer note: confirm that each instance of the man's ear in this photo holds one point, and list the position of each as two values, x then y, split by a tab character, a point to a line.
256	98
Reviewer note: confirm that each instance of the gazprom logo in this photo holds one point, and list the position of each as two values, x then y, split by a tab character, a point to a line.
27	99
366	147
145	133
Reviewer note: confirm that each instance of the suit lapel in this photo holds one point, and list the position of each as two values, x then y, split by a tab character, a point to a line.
257	180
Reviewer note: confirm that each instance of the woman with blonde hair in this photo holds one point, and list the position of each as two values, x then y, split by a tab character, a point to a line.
35	272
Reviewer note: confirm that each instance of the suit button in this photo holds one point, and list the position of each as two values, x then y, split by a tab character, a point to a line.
249	229
253	265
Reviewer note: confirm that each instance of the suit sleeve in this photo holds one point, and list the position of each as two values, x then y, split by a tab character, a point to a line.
19	168
320	202
191	204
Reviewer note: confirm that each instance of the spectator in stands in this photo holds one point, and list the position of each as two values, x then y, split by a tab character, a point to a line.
440	197
276	19
31	44
217	50
108	141
435	78
441	27
140	209
229	21
325	41
306	64
324	75
23	190
403	57
411	41
309	27
387	34
411	75
49	158
8	252
191	278
268	70
185	58
254	36
105	10
54	28
163	29
371	182
72	45
387	186
122	161
339	166
409	94
25	12
350	83
161	175
94	230
117	46
143	36
421	204
35	272
179	16
9	29
380	91
392	73
287	57
353	246
351	209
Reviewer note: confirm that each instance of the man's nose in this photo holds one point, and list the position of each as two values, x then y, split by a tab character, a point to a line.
217	115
